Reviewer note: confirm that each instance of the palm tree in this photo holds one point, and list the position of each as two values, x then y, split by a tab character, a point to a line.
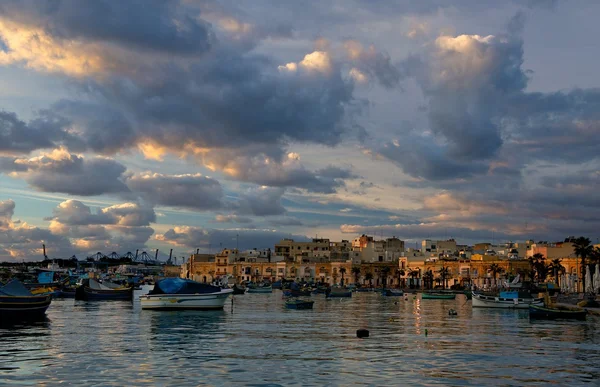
356	272
383	273
539	267
495	269
342	272
401	273
557	269
444	273
369	277
583	248
414	274
428	279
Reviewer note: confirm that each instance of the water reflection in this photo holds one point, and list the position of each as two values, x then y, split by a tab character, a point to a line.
260	342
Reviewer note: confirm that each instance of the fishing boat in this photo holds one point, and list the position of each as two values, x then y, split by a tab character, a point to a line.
438	296
260	289
181	294
17	302
297	292
336	291
238	289
552	313
91	289
67	292
393	292
506	300
296	303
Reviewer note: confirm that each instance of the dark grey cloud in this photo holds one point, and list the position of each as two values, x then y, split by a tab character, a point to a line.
203	238
192	191
419	157
155	25
18	137
61	171
178	105
260	201
94	126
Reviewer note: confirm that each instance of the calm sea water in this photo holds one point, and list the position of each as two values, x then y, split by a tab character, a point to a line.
258	342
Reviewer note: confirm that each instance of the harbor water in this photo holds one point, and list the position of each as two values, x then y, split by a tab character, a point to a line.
257	342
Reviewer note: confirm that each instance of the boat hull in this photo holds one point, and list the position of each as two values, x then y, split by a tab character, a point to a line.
260	290
237	290
86	293
482	301
339	294
296	293
545	313
23	307
426	296
393	293
298	305
207	301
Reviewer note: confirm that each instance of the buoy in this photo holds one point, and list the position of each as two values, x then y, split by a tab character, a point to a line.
362	333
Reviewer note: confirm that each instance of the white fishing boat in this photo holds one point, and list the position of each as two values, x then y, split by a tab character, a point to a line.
505	300
180	294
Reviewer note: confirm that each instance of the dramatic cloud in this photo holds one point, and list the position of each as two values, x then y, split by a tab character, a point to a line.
356	112
118	227
289	172
375	63
190	191
61	171
7	210
20	241
18	137
74	212
139	24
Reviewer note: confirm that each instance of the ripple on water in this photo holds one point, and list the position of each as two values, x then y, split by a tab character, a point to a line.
261	343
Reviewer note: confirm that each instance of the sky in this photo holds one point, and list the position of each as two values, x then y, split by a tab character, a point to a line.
187	124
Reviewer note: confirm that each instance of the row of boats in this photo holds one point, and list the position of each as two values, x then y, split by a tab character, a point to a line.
16	300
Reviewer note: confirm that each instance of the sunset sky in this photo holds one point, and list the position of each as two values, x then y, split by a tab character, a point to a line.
191	124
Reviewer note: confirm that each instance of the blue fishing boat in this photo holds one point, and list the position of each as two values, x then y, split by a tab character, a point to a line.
91	290
296	303
17	302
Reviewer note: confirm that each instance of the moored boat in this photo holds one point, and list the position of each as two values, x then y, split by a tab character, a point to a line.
393	292
17	302
181	294
260	289
91	289
506	300
336	291
238	289
296	303
438	296
553	313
